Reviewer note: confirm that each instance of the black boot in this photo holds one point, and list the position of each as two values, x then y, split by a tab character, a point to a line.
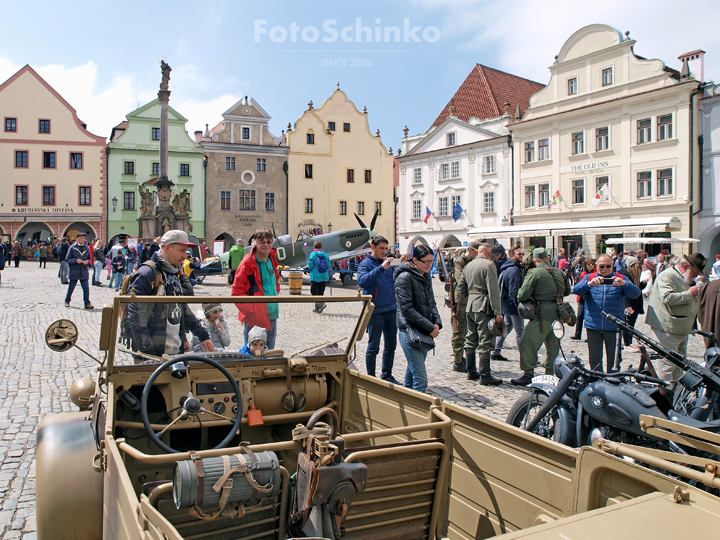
524	380
472	372
460	366
486	377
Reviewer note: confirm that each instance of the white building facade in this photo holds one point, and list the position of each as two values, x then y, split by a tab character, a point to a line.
459	171
709	195
607	117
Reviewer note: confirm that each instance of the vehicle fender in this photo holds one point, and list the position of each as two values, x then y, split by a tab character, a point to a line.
566	414
69	491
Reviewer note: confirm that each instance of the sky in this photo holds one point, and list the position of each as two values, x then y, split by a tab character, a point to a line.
102	57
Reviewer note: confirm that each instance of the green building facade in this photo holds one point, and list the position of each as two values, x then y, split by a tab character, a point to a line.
134	160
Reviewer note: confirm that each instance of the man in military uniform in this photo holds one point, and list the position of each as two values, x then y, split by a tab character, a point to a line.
478	285
541	286
460	328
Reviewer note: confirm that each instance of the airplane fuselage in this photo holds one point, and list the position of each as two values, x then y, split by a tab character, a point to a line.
296	254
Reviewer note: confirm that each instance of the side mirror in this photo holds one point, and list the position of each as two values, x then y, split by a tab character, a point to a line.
61	335
558	329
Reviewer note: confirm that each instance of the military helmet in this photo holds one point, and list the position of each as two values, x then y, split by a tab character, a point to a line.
81	391
497	328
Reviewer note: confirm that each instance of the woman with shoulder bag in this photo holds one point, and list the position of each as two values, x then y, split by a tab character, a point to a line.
417	315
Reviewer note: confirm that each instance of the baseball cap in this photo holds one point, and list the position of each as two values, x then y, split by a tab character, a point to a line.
540	253
474	245
239	241
80	234
175	237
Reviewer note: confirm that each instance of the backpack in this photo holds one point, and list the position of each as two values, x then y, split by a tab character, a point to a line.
321	264
125	333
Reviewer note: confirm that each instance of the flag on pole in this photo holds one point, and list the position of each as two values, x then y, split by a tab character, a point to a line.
457	211
428	213
601	196
556	200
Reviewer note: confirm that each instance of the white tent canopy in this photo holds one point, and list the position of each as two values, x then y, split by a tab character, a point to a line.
651	240
569	228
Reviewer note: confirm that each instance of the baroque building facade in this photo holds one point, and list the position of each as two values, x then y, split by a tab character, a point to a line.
53	168
338	168
134	165
607	149
246	175
458	174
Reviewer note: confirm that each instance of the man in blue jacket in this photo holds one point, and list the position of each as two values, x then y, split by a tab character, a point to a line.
375	276
510	279
604	291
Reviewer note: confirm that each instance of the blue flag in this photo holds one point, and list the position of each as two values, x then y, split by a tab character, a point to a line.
457	211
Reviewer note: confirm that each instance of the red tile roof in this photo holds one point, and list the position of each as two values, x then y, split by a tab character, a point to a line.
484	92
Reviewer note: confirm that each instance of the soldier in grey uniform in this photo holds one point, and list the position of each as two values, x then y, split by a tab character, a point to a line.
460	327
542	288
479	286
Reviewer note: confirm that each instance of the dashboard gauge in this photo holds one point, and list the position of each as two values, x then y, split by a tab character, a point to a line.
219	408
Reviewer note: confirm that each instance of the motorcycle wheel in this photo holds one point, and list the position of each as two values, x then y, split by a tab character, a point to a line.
550	427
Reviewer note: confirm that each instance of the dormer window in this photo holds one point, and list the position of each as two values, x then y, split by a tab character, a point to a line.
572	86
451	139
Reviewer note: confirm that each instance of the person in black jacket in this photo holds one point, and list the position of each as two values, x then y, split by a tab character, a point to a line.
633	306
78	259
158	329
416	308
510	280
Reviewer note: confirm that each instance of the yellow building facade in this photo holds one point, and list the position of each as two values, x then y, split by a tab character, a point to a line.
337	168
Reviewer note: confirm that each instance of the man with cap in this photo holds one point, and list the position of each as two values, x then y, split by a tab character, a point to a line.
673	307
479	286
158	329
78	259
460	326
235	257
541	286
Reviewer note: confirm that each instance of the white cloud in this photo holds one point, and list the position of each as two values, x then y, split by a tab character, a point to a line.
104	104
525	36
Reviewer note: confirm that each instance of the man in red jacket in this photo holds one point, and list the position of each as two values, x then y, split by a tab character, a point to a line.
258	275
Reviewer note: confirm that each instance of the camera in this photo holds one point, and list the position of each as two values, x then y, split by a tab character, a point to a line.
608	281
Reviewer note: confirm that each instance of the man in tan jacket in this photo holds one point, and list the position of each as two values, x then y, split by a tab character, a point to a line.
673	307
479	284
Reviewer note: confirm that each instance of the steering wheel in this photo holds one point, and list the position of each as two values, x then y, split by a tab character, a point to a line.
192	405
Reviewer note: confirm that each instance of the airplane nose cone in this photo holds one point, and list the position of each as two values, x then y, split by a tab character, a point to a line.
372	233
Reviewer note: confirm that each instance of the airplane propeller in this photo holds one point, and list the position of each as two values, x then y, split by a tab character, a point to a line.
372	223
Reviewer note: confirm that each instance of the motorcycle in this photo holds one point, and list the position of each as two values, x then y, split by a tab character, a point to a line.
577	405
700	403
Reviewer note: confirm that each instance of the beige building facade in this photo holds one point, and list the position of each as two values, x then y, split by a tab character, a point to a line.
246	178
53	168
338	168
607	117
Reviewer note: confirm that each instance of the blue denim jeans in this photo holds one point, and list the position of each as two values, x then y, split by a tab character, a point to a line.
515	322
381	324
118	280
85	289
415	374
97	269
271	335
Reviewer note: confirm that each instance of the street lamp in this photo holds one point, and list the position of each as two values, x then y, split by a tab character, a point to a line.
114	201
329	227
505	221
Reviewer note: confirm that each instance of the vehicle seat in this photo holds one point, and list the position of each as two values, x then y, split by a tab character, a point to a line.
675	416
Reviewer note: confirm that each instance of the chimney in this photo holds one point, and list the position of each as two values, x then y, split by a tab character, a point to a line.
198	137
695	63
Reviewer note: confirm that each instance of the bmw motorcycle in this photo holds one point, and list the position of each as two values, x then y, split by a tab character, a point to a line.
577	405
699	402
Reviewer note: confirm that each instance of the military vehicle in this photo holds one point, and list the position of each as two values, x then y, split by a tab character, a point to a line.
228	445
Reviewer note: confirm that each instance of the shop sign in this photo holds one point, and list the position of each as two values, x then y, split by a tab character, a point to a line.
590	168
45	210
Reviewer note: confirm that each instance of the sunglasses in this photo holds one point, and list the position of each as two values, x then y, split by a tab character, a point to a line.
604	266
216	311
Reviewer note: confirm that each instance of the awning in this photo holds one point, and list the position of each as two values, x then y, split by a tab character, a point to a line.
573	228
651	240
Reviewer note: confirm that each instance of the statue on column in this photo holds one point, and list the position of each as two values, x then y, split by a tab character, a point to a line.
146	201
166	69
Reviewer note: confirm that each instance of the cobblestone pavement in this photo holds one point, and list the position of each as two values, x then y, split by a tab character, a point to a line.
34	381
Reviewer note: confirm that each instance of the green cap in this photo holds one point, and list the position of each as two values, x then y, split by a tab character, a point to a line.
540	253
474	245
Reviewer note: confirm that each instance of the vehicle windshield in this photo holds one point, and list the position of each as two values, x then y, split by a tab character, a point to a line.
226	328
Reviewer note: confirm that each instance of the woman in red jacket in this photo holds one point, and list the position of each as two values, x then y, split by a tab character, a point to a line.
258	275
